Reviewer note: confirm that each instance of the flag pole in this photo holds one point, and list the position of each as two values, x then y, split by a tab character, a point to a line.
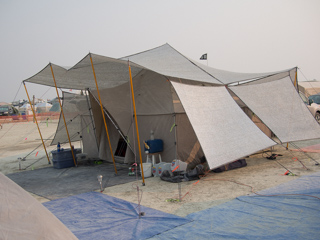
102	112
136	121
64	119
34	117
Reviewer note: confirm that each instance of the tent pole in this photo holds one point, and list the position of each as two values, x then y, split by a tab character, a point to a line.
64	119
104	119
135	117
295	80
34	117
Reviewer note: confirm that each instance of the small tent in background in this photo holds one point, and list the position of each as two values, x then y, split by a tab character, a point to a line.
24	217
43	107
309	87
191	107
25	109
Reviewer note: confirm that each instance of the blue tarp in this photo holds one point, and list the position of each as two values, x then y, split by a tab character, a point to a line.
97	216
260	217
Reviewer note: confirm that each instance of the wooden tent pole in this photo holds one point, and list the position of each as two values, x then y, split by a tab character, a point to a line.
102	112
64	119
135	117
34	117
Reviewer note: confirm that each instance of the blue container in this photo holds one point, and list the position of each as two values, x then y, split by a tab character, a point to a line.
63	158
155	145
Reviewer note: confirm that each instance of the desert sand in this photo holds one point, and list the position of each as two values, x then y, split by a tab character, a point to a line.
18	140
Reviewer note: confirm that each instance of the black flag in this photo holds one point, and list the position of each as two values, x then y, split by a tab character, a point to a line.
204	57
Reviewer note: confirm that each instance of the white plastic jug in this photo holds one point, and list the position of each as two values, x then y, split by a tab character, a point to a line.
178	165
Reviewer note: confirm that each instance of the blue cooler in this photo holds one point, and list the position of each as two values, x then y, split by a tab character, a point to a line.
155	146
63	159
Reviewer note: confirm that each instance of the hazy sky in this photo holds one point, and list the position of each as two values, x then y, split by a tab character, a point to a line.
238	35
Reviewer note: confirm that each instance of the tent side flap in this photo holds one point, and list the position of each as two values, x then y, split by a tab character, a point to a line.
224	131
280	107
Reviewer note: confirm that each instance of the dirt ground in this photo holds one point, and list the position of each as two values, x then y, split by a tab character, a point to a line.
20	139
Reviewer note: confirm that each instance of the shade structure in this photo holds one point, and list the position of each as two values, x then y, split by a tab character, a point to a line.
222	128
164	60
279	106
110	73
159	106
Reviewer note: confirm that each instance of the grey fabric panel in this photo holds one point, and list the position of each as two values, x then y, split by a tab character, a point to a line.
167	61
271	78
280	107
73	107
109	73
222	128
44	77
89	140
228	77
112	72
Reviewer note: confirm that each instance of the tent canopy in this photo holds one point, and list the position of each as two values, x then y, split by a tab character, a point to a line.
189	105
163	60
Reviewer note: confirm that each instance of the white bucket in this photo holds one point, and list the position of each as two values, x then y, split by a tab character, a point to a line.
147	169
178	165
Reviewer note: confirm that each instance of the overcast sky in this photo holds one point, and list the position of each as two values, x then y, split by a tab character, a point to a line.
238	35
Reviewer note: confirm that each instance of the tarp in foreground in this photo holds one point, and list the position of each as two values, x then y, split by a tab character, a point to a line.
224	131
98	216
24	217
54	183
258	217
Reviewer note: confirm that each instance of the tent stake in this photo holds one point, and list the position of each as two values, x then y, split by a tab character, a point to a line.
104	119
136	121
34	117
64	119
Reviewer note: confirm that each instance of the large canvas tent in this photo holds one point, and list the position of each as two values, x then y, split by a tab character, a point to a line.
190	106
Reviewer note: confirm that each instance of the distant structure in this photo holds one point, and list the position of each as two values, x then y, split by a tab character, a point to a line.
309	87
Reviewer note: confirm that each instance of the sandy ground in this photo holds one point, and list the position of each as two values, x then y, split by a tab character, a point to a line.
20	139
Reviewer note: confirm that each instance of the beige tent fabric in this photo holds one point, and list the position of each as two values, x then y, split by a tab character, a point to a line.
23	217
102	140
89	141
154	106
